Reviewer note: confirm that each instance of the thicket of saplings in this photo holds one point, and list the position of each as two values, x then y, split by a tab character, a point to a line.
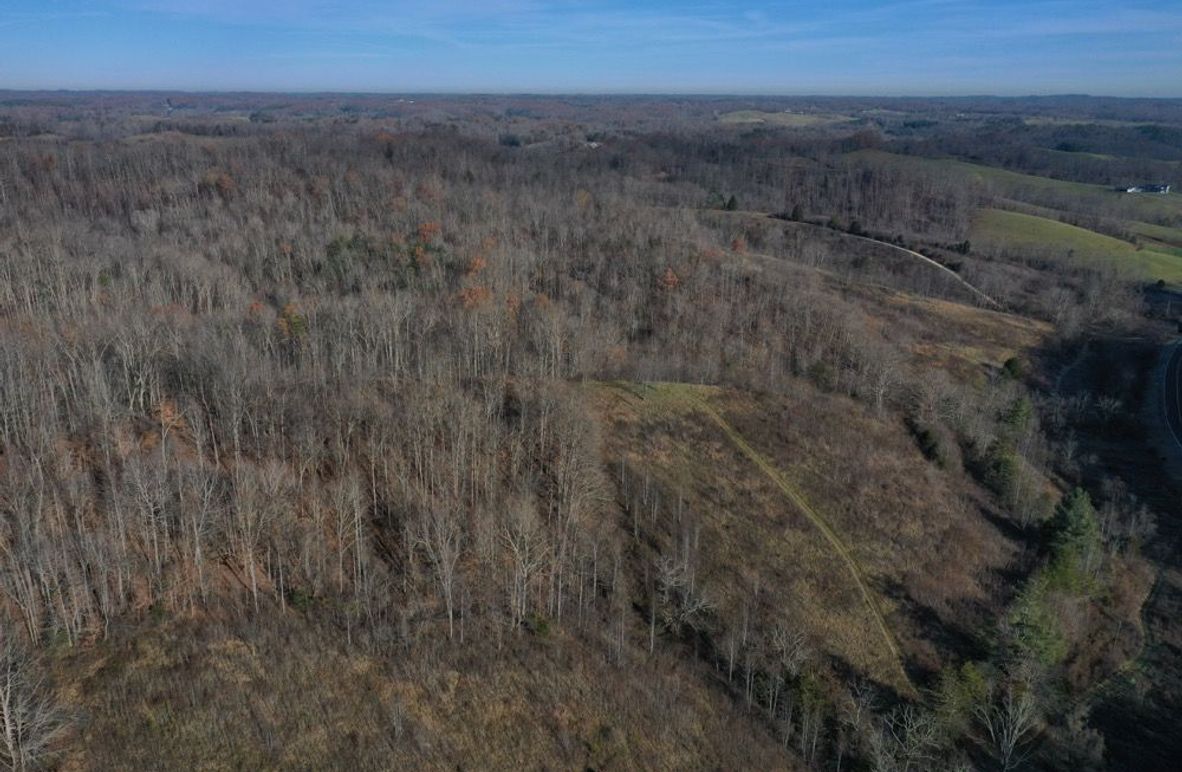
337	373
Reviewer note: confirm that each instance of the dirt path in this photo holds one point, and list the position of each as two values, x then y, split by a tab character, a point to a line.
684	395
816	518
909	252
912	253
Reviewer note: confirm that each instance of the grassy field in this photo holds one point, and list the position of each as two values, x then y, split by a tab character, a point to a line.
1051	120
951	334
695	398
1045	191
1082	154
1159	233
1039	235
788	120
767	485
961	340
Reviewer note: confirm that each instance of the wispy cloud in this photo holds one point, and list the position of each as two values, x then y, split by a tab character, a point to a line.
327	55
18	18
683	42
613	22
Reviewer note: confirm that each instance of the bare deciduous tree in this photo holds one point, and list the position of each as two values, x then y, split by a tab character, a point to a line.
30	721
1008	721
683	605
528	552
441	536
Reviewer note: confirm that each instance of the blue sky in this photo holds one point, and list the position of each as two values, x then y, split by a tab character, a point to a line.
1130	48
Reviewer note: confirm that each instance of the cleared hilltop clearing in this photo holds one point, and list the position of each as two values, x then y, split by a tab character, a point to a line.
1039	237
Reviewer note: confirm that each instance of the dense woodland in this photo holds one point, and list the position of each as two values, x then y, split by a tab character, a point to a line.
322	379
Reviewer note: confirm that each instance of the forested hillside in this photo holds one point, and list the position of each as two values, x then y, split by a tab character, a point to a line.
517	439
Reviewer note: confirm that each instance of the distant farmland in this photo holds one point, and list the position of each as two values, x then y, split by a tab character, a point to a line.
786	119
1029	234
1045	191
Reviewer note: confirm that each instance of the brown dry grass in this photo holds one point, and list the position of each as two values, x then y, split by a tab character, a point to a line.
956	338
287	696
929	555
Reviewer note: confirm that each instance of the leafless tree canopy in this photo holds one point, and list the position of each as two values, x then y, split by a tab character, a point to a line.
335	365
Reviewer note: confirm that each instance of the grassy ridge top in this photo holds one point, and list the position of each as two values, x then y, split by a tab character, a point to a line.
1029	188
1032	234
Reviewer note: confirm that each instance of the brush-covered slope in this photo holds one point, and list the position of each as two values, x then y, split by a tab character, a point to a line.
293	694
808	511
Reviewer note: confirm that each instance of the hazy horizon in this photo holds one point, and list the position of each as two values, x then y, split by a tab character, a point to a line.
460	92
908	48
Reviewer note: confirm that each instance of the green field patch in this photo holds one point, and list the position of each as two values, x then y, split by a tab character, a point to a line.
1051	120
1082	154
787	120
1160	233
1045	191
1040	236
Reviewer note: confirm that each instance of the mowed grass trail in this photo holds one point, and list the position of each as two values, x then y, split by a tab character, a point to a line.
689	398
1034	235
816	518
